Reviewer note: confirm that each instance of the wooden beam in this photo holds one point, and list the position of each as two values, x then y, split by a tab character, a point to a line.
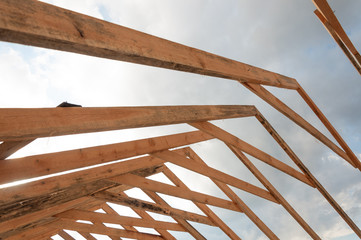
327	12
330	128
223	135
44	187
116	219
251	150
38	165
65	235
338	40
143	214
155	186
38	218
20	224
203	207
307	172
24	123
21	208
211	172
41	232
234	197
288	112
182	221
7	148
152	207
43	25
273	190
87	236
99	229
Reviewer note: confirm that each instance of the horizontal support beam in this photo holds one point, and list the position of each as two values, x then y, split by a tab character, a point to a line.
75	214
28	221
29	123
25	192
99	229
21	208
155	186
152	207
43	25
39	165
32	217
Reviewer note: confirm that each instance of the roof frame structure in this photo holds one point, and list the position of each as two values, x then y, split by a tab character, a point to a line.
56	202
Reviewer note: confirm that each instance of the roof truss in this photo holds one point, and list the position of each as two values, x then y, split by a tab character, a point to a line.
41	208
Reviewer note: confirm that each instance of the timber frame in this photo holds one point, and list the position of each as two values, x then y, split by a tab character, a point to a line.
42	208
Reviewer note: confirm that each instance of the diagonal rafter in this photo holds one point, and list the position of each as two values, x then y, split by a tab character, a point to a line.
211	172
154	186
225	136
253	151
233	196
203	207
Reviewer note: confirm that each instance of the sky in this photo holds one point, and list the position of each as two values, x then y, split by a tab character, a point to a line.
281	36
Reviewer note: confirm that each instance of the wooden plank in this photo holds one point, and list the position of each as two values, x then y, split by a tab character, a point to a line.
154	186
148	206
288	112
99	229
234	197
32	218
7	148
273	190
203	207
38	165
251	150
116	219
21	208
338	40
143	214
40	232
330	128
87	236
43	25
211	172
65	235
182	221
326	10
307	172
17	225
24	123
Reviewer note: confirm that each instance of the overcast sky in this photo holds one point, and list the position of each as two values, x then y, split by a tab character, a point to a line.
278	35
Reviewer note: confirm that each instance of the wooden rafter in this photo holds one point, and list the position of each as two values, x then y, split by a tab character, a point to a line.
39	165
48	122
86	35
333	26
